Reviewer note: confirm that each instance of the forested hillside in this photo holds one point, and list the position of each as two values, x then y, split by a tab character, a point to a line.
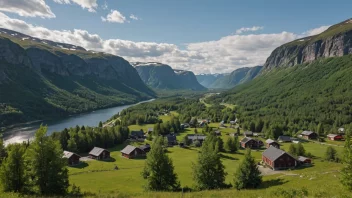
41	79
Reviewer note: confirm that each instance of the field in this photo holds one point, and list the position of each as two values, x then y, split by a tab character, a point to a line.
100	179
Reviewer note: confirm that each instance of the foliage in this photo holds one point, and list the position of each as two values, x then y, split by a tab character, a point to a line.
209	172
159	169
247	174
232	144
3	153
297	150
346	172
331	154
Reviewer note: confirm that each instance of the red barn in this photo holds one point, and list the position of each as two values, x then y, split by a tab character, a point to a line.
99	153
334	137
248	142
132	152
278	159
72	158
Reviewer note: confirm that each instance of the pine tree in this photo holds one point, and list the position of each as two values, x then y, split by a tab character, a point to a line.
159	169
331	154
346	172
300	151
229	144
292	150
48	168
247	174
13	174
2	151
209	172
72	145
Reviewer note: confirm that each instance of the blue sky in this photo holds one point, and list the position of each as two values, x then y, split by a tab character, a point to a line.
187	26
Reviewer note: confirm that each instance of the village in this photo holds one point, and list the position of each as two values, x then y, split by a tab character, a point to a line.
126	161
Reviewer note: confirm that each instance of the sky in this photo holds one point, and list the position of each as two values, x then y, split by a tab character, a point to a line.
203	36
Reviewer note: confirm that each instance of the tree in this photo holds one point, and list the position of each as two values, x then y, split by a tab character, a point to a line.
159	169
331	154
292	150
71	145
247	174
100	124
48	168
346	172
300	151
209	172
231	145
13	171
186	141
2	150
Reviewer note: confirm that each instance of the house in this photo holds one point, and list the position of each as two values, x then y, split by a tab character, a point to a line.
278	159
146	148
284	138
248	142
232	122
217	133
150	130
334	137
248	134
270	142
304	160
99	153
196	137
137	134
72	158
171	139
185	125
309	135
132	152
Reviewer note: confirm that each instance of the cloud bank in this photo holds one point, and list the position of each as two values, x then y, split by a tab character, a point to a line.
27	8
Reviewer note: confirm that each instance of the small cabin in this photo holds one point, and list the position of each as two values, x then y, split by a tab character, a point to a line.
304	160
334	137
278	159
171	139
309	135
137	134
248	134
196	137
146	148
150	130
217	133
270	142
284	138
72	158
248	142
131	152
99	153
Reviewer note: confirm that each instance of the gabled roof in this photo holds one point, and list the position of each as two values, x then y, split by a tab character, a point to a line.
96	151
307	133
217	132
171	138
196	137
68	154
128	149
246	139
248	133
302	159
269	141
150	129
332	135
143	147
273	153
284	138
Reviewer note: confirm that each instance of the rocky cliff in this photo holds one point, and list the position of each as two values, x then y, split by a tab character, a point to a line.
336	41
162	76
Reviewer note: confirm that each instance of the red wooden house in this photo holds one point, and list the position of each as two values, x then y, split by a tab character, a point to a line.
278	159
334	137
132	152
99	153
72	158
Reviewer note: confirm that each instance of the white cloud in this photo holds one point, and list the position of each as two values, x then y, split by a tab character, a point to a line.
218	56
114	17
105	6
316	31
249	29
133	17
27	8
90	5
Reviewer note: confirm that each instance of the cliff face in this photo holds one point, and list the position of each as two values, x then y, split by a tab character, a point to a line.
336	41
162	76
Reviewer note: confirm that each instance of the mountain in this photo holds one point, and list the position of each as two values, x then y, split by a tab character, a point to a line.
299	93
42	79
208	79
236	77
336	41
162	76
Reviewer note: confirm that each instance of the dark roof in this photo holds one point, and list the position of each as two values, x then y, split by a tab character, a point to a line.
143	147
307	133
137	133
96	151
196	137
284	138
273	153
248	133
246	139
171	138
68	154
128	149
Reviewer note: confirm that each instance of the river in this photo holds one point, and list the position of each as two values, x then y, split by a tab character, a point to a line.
23	132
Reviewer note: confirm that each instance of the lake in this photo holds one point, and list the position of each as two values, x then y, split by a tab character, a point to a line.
23	132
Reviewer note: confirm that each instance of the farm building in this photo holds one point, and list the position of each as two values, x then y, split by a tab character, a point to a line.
334	137
137	134
146	148
278	159
304	160
150	130
284	138
217	133
309	135
248	134
171	139
72	158
196	137
248	142
270	142
132	152
99	153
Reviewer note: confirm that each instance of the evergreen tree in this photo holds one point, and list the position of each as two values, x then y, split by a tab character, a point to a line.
231	145
2	150
331	154
247	174
13	171
300	151
346	172
292	150
159	169
71	145
48	169
100	124
209	172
